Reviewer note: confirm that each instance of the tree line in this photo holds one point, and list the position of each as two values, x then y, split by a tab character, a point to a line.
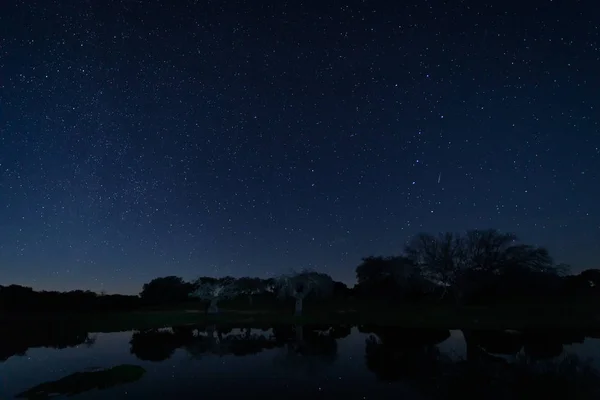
477	267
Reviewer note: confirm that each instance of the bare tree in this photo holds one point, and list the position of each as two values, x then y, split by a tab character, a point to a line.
387	276
487	250
441	259
458	262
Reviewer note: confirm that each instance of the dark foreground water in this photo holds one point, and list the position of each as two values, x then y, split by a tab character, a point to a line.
290	362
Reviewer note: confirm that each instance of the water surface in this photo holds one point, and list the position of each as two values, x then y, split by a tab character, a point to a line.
364	362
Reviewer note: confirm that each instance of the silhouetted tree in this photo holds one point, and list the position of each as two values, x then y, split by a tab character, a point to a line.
460	264
591	277
117	302
165	290
441	259
584	286
341	290
388	277
16	299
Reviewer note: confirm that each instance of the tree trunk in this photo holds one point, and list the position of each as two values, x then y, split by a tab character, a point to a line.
299	329
298	310
298	344
213	308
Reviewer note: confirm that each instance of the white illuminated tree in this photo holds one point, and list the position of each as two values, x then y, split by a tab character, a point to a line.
299	285
214	290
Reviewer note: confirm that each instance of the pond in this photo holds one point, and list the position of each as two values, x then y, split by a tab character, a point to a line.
353	362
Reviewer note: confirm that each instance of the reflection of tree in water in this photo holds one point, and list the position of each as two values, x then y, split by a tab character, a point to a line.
540	367
548	344
395	353
536	344
308	347
210	341
198	341
565	377
249	343
534	370
300	345
527	376
159	344
16	339
222	341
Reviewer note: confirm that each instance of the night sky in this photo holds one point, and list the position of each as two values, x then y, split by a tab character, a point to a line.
150	138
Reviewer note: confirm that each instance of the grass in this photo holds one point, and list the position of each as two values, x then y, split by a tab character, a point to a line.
430	316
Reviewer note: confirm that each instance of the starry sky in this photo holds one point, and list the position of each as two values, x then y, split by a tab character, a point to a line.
147	138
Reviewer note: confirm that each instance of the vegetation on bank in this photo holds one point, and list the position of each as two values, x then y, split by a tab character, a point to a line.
480	278
561	316
430	317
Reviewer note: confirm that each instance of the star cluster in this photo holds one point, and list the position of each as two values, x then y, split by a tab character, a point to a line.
150	138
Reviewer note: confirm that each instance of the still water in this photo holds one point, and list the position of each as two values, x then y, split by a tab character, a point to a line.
351	362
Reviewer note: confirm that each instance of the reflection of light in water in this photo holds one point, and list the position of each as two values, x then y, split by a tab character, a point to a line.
455	347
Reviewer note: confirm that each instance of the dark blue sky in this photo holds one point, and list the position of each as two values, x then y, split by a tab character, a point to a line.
150	138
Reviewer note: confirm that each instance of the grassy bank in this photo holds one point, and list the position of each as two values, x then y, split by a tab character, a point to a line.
434	316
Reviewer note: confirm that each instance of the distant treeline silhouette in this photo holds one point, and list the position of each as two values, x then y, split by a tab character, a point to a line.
16	298
18	337
474	268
